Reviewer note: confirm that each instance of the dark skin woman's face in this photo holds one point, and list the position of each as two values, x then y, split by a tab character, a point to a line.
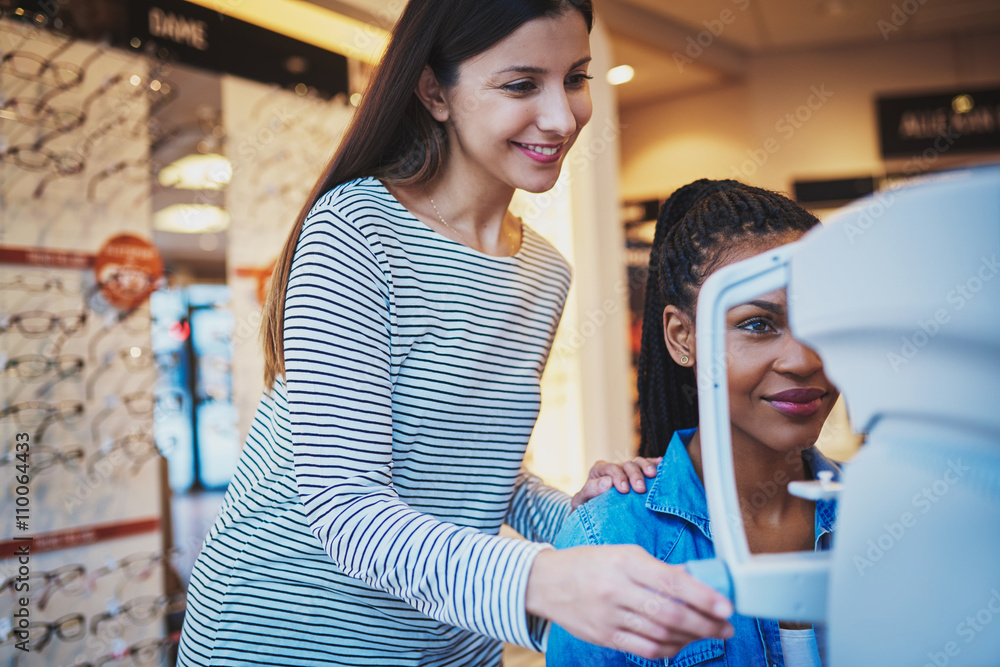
779	395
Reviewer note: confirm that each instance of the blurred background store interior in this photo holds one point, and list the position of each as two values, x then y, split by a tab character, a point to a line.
190	133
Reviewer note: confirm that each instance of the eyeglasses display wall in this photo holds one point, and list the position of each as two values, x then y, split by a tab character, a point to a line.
82	549
94	605
86	135
74	141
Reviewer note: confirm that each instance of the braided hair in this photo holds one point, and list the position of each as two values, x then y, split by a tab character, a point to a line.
696	229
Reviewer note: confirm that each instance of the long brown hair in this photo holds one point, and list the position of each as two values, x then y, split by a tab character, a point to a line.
393	137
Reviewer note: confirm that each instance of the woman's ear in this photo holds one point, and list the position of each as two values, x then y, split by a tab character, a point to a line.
678	334
431	95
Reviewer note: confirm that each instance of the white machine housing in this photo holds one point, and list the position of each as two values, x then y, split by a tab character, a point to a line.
900	296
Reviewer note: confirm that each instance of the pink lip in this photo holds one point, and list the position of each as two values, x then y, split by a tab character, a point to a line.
541	157
797	402
798	395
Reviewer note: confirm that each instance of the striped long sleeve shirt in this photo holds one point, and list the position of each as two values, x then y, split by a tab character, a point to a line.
361	525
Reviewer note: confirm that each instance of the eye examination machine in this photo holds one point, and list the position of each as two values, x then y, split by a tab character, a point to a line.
900	295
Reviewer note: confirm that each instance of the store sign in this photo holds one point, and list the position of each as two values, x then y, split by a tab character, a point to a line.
832	192
193	35
178	29
960	121
197	36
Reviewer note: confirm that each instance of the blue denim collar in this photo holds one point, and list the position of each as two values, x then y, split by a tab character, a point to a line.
677	489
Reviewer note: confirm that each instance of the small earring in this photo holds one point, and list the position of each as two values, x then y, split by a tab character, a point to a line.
685	359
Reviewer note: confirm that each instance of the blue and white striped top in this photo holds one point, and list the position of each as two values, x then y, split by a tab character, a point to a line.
361	524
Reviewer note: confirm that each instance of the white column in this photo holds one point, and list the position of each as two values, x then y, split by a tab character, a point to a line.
586	394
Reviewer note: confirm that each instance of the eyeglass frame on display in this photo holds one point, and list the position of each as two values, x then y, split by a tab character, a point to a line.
45	63
68	420
51	628
131	400
75	569
48	64
53	411
12	109
161	645
39	365
70	457
55	321
144	355
23	282
154	558
152	450
161	605
113	170
125	318
66	164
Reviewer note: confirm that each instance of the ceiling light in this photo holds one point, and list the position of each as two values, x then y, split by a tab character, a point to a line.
191	219
962	103
209	171
621	74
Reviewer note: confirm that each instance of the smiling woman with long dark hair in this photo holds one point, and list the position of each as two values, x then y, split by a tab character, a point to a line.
407	327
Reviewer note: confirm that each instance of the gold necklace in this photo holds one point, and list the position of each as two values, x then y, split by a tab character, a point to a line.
444	222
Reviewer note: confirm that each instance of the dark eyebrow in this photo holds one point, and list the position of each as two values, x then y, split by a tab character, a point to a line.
769	306
528	69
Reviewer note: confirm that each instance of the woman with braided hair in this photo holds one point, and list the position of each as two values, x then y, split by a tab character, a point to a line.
779	398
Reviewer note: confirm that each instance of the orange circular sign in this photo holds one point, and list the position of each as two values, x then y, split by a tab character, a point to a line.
128	270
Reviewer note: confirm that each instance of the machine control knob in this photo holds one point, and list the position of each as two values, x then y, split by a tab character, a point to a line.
823	488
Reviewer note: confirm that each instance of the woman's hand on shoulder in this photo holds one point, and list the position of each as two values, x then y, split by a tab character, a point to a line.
620	597
603	475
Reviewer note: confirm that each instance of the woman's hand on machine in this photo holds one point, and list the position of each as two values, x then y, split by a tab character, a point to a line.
621	597
603	475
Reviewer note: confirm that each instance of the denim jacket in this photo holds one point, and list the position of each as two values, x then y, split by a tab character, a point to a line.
671	522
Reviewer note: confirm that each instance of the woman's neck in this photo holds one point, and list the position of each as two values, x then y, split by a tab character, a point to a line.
461	208
774	519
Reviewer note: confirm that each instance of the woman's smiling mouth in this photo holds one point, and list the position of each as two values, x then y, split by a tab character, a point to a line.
544	153
797	402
